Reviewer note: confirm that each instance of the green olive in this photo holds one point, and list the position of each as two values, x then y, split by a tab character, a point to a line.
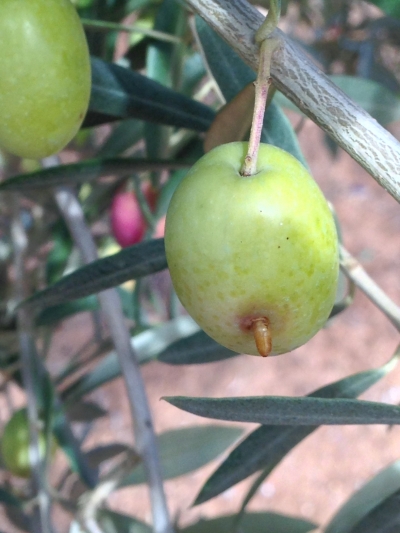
15	444
44	76
253	259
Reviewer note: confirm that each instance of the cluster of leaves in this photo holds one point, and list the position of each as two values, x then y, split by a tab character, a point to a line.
154	124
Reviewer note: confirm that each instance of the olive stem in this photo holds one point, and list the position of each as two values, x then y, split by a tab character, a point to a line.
146	442
270	23
262	85
144	205
356	273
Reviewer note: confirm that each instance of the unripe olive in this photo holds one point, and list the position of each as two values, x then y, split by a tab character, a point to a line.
254	260
15	444
44	76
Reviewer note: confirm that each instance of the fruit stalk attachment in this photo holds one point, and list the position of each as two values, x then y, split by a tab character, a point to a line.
262	84
262	336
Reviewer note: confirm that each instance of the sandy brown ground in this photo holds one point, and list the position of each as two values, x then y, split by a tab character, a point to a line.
320	474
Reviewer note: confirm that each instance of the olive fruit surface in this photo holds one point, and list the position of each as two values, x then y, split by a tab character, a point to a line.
44	76
127	221
15	444
128	224
246	249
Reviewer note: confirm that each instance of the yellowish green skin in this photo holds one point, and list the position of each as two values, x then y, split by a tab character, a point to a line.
240	248
44	76
15	445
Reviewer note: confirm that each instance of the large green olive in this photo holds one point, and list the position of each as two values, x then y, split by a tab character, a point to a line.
253	259
44	76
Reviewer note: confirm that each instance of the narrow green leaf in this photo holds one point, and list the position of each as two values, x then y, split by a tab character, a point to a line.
147	345
253	523
131	263
84	411
385	518
20	519
252	492
68	442
265	447
98	455
281	410
55	419
381	487
78	173
197	349
52	315
187	449
193	72
6	498
231	75
124	135
118	93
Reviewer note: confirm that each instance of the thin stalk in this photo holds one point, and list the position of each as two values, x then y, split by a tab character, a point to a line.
41	511
262	85
146	442
354	271
144	205
270	23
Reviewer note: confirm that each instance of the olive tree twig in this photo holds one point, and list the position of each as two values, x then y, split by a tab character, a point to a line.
298	78
146	442
41	510
93	500
354	271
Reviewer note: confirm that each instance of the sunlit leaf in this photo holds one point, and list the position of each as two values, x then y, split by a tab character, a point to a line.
187	449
